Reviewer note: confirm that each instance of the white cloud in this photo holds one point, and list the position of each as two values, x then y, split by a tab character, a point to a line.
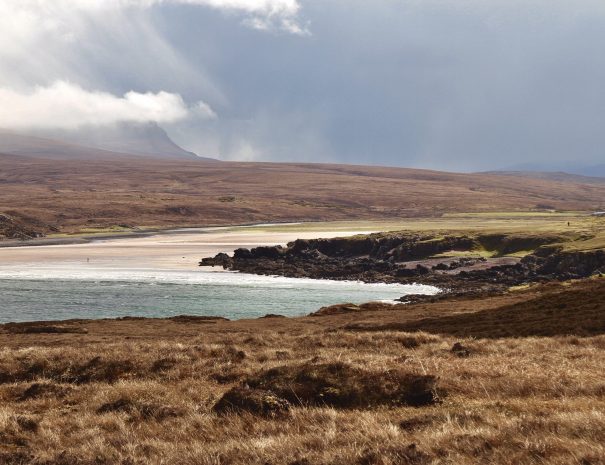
29	15
60	46
203	110
272	14
64	105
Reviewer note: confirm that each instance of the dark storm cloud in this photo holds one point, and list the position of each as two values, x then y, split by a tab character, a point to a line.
450	84
463	85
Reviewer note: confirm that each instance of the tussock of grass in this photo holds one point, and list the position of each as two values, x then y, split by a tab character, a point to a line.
337	385
256	401
139	409
44	390
96	369
43	328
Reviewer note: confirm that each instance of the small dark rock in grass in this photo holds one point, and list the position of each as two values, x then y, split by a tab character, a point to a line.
257	401
460	351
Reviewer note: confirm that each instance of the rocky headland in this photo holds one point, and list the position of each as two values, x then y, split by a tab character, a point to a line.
460	263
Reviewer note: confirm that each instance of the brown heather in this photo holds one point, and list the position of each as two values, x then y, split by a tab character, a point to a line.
62	195
143	391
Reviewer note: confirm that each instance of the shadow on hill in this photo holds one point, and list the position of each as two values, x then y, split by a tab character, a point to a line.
578	312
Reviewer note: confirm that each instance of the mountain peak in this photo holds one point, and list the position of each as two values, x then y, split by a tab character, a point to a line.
143	140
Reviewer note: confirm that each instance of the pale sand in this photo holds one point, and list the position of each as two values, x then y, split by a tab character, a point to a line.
167	251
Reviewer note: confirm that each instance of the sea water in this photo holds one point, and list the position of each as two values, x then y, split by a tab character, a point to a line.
36	293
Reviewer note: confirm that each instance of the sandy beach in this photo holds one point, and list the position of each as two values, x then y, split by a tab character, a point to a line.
158	275
179	250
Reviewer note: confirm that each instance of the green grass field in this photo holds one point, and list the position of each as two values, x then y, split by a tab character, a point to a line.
578	230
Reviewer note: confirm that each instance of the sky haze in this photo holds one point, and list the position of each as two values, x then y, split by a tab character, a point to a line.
459	85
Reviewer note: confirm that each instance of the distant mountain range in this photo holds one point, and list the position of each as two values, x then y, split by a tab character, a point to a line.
152	142
126	140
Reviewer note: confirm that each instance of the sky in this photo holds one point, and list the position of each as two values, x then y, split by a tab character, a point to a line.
462	85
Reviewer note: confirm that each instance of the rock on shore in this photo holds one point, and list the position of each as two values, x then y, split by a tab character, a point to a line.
407	258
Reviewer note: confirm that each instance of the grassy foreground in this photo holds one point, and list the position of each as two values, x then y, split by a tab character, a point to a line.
142	391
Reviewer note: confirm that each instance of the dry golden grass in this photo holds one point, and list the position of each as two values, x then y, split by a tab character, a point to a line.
142	392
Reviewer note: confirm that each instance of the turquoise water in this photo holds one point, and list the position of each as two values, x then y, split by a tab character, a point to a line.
30	295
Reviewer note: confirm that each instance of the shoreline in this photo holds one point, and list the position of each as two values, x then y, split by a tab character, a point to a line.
452	221
345	316
87	238
208	294
480	264
162	249
170	257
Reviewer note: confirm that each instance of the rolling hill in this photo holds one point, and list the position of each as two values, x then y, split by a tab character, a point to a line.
41	147
101	193
552	176
571	167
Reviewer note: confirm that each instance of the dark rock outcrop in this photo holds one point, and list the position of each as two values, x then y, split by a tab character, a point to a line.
541	266
221	259
410	258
